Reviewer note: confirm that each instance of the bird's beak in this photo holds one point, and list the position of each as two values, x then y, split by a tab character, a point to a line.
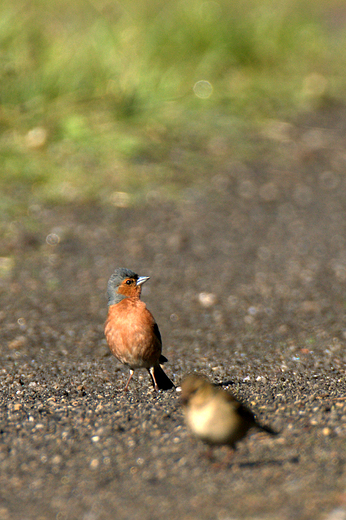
142	279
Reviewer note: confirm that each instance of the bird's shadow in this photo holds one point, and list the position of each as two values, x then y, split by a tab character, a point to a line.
217	465
270	462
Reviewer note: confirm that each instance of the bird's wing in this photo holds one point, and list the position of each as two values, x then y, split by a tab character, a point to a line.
244	412
157	332
250	417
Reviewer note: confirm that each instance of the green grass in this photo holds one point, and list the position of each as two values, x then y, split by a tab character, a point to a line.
110	85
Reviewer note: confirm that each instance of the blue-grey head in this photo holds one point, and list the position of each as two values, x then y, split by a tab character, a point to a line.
124	283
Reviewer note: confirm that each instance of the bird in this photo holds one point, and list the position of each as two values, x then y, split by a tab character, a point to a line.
131	331
214	415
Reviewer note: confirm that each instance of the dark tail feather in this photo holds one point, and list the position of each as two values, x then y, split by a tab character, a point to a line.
162	380
268	429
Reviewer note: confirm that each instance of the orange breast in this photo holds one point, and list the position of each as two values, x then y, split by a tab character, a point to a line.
130	334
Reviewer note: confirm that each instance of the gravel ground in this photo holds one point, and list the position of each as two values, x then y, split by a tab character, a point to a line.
248	279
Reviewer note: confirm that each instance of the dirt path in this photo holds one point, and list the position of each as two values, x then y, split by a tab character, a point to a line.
247	284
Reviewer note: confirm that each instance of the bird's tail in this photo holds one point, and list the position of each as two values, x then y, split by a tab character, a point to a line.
268	429
162	379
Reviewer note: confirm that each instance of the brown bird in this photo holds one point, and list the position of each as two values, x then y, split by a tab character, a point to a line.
215	416
131	331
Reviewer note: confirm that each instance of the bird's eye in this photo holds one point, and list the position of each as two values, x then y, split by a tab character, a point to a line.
128	282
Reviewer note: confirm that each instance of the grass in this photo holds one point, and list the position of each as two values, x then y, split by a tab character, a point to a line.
101	97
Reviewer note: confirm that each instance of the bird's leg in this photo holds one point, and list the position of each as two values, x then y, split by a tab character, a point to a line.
229	456
210	456
128	381
152	377
209	453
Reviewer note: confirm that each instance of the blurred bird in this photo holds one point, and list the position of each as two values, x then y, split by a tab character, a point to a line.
215	416
131	331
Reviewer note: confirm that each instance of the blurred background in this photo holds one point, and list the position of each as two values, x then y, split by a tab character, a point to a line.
203	144
112	102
